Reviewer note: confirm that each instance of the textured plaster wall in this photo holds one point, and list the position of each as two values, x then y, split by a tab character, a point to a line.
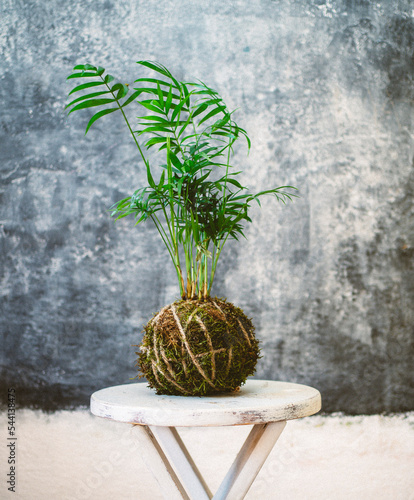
325	90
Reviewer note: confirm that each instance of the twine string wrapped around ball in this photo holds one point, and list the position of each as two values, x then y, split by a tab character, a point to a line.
194	347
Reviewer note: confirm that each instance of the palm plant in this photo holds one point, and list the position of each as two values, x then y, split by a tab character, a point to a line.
194	199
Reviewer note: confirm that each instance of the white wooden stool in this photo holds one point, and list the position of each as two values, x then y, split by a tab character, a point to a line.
265	404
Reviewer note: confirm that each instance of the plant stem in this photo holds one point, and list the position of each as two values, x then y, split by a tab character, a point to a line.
127	122
164	237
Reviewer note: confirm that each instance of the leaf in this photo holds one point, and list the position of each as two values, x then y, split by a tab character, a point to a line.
156	67
81	75
178	172
91	103
168	101
109	79
85	86
82	67
151	107
235	183
219	109
159	68
119	202
121	88
184	126
223	121
159	121
179	106
209	102
176	162
155	140
154	91
224	134
186	92
123	203
276	191
122	216
156	80
249	144
200	109
160	96
162	178
99	115
88	96
180	185
149	177
155	129
131	98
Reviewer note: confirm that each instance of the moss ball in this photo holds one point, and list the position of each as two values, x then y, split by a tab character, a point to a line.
198	348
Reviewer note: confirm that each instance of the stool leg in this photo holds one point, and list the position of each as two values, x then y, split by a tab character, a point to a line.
182	462
249	461
162	446
158	464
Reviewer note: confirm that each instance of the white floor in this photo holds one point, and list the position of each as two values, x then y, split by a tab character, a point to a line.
73	455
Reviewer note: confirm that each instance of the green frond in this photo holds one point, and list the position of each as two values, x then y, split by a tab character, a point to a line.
195	207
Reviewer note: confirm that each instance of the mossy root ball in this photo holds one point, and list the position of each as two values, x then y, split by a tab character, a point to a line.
198	348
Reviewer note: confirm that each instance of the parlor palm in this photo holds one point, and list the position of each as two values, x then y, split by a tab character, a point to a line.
193	198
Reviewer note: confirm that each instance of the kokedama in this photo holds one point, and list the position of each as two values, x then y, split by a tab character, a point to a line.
198	345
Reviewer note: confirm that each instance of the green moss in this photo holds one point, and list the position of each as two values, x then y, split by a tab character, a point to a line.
198	348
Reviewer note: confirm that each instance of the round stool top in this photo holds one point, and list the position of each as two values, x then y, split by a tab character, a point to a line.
258	401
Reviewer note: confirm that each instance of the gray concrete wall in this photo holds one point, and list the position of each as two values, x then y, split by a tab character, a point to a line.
325	90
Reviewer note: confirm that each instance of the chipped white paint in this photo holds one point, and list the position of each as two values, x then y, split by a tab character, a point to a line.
258	401
265	404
